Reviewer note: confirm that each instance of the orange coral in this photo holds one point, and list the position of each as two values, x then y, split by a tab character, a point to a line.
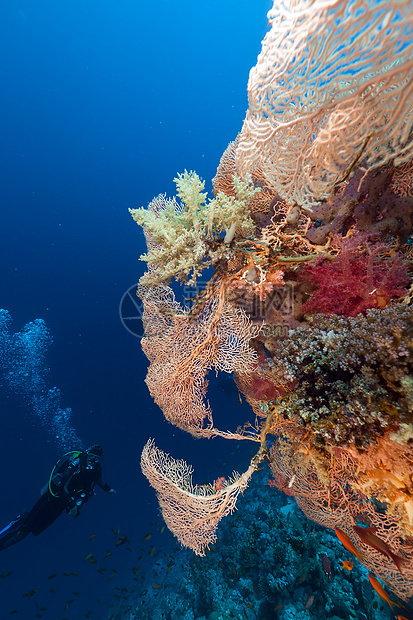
223	180
342	487
254	279
182	348
191	512
402	181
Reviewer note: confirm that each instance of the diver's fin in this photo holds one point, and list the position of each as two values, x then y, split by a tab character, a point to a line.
13	533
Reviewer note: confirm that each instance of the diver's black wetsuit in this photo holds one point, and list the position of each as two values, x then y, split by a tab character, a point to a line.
71	484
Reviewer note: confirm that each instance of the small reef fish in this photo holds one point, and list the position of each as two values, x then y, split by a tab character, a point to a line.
121	540
88	557
107	554
52	576
346	542
6	574
381	592
156	586
147	536
368	537
30	594
92	536
348	565
301	578
219	483
309	602
326	565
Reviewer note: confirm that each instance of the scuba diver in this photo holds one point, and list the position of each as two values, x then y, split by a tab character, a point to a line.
70	485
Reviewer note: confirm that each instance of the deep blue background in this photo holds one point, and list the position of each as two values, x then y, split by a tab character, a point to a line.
101	104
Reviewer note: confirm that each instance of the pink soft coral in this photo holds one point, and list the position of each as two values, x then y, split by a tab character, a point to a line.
364	275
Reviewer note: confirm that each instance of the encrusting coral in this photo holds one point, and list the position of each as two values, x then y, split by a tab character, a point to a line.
349	375
310	305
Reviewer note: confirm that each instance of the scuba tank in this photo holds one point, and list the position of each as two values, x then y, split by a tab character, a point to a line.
65	467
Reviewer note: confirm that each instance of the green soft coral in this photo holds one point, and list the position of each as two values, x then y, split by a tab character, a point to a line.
179	235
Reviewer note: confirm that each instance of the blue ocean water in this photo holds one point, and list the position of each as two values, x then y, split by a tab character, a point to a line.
101	104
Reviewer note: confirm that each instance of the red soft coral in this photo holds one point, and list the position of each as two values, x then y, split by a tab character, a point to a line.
364	275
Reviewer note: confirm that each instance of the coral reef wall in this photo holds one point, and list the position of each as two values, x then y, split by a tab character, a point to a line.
310	240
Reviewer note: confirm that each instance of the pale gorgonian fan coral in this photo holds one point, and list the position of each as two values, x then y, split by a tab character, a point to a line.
191	512
182	349
332	87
